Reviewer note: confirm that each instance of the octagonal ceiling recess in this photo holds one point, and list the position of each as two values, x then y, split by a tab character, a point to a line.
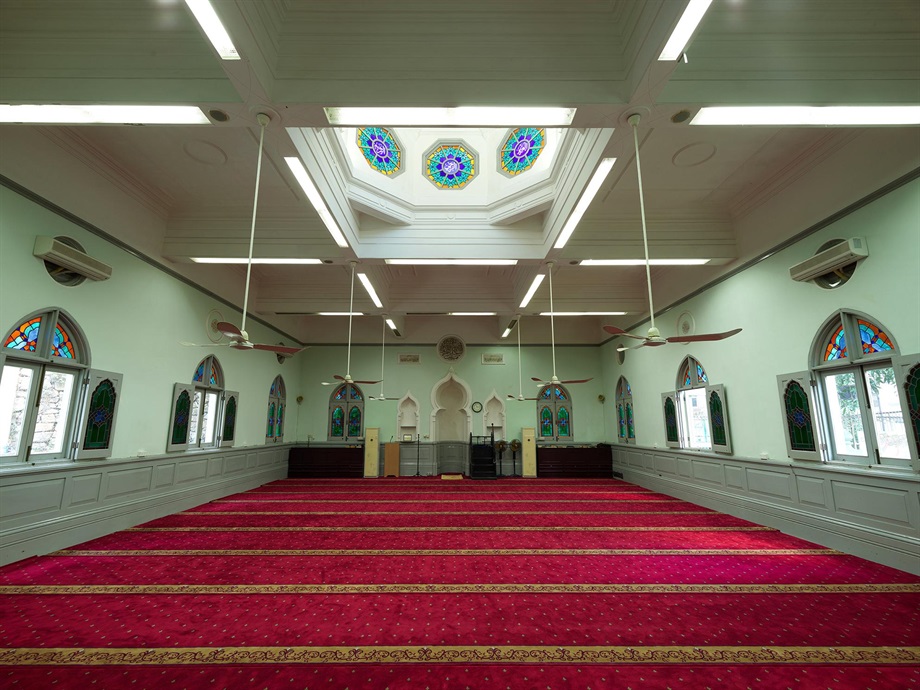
494	212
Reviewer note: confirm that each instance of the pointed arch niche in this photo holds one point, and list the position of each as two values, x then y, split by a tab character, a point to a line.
407	417
450	409
493	416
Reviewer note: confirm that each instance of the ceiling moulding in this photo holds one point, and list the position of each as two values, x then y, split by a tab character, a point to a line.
588	150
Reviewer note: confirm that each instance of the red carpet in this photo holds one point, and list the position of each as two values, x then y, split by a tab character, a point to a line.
419	583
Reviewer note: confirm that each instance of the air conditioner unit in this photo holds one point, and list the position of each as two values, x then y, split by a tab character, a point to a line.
56	252
838	256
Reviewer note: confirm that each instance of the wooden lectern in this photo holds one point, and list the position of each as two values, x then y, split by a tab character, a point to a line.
390	459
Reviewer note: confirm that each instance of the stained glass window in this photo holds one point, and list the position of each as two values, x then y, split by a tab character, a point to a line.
214	377
24	336
630	427
230	419
912	391
277	388
100	417
621	421
270	429
560	394
199	373
338	422
670	421
521	149
798	418
355	394
562	422
691	374
686	376
380	149
546	394
61	346
873	338
546	422
717	419
837	347
700	374
340	393
279	424
181	418
354	422
450	166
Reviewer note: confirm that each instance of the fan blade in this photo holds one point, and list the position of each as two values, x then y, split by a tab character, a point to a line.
576	381
188	344
229	330
366	382
279	349
623	348
613	330
703	337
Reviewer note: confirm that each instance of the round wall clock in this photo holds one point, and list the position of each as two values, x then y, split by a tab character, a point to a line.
477	406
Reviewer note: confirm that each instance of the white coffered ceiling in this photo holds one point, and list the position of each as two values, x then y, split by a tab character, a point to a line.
727	193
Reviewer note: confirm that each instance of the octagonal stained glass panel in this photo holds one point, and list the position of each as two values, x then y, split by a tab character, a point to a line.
450	166
380	149
521	149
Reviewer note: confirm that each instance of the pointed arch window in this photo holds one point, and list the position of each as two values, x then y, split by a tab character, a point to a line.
861	383
204	413
626	430
554	413
696	414
346	413
277	397
52	405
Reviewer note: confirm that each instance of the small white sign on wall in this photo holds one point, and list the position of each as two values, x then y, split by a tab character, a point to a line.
493	358
409	358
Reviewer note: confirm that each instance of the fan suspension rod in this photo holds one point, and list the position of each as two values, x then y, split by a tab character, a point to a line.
634	121
383	344
263	120
351	308
552	323
520	376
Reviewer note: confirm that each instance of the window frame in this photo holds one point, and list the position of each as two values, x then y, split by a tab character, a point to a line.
202	388
555	405
279	399
625	411
348	404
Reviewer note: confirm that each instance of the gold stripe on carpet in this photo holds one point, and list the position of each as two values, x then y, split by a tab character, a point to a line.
450	500
359	528
436	654
449	512
444	492
486	588
448	552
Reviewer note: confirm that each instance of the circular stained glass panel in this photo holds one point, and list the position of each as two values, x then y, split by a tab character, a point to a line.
521	149
450	166
380	149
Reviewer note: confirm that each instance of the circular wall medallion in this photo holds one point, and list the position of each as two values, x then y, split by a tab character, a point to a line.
451	348
210	325
380	149
450	165
476	406
685	324
521	149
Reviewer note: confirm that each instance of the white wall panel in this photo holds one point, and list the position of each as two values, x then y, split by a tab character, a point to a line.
734	477
165	475
21	499
124	482
871	501
85	488
710	472
777	484
811	491
192	471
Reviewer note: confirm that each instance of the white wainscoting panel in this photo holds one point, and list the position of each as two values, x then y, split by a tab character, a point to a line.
770	483
85	489
710	472
33	499
734	477
124	482
875	502
165	475
811	491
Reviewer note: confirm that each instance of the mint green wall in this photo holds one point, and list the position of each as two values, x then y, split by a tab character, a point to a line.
780	319
134	322
419	380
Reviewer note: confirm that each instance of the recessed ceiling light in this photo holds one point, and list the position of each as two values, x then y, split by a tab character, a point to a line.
455	117
533	288
641	262
805	115
340	313
103	114
587	197
583	313
366	282
687	24
213	28
243	260
507	332
306	183
451	262
391	324
472	313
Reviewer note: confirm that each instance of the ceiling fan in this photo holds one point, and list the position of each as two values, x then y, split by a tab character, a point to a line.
520	396
351	304
239	339
383	344
552	332
653	337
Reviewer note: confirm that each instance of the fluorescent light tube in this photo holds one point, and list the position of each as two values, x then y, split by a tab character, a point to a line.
472	313
506	333
533	288
687	24
103	114
243	260
366	282
306	183
456	117
451	262
587	197
213	29
805	115
341	313
391	324
583	313
641	262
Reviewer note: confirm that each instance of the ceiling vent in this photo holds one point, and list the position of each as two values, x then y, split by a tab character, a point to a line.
56	252
830	260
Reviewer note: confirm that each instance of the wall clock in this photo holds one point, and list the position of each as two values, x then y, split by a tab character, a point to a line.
477	406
